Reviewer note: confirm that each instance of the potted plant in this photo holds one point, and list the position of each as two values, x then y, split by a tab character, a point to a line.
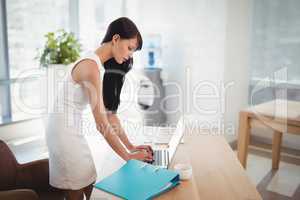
61	49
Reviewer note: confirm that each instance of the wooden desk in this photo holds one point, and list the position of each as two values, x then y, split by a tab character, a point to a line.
282	116
217	173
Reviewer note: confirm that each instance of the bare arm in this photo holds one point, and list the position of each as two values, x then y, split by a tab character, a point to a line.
115	122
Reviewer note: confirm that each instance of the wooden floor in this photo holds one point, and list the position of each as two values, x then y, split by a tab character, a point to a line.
281	184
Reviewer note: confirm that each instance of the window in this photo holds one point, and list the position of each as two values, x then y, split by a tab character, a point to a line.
275	48
27	23
27	99
275	38
23	26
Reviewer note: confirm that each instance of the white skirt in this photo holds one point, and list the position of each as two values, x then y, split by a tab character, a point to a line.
71	164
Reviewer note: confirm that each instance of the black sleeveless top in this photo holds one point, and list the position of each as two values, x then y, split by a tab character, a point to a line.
113	81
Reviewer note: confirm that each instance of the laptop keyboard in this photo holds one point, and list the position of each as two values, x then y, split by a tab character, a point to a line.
161	158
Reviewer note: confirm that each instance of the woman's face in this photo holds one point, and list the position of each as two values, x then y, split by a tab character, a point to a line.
123	48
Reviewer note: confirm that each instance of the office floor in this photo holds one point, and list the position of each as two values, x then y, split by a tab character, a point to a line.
283	184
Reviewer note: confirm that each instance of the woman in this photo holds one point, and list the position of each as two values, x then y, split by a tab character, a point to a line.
71	165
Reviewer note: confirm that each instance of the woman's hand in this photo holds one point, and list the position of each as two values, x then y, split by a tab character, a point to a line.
142	155
148	148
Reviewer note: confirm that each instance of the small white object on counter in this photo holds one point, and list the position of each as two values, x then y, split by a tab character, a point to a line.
185	171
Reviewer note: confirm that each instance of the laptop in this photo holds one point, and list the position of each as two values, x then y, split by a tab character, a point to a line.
163	156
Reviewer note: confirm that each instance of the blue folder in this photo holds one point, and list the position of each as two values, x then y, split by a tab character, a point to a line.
138	180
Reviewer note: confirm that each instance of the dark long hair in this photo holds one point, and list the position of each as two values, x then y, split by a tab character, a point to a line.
113	81
124	27
114	75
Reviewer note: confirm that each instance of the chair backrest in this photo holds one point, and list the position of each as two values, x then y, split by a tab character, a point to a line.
8	167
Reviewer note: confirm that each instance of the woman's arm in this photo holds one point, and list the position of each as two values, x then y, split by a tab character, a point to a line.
115	122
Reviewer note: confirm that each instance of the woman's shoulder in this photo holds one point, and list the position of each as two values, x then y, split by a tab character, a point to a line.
91	55
89	67
90	60
86	69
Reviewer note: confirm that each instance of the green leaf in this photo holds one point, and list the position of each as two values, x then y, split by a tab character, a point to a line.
60	47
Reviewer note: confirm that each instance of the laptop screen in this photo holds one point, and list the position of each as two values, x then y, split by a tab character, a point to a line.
176	138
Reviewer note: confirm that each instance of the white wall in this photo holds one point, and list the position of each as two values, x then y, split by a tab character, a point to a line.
204	42
237	60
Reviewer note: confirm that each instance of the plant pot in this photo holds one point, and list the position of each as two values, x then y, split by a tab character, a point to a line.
55	75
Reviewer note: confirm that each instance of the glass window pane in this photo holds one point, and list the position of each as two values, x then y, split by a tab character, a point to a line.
28	21
28	98
275	39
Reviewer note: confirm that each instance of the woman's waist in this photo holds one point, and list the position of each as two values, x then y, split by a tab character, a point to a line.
65	121
68	107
